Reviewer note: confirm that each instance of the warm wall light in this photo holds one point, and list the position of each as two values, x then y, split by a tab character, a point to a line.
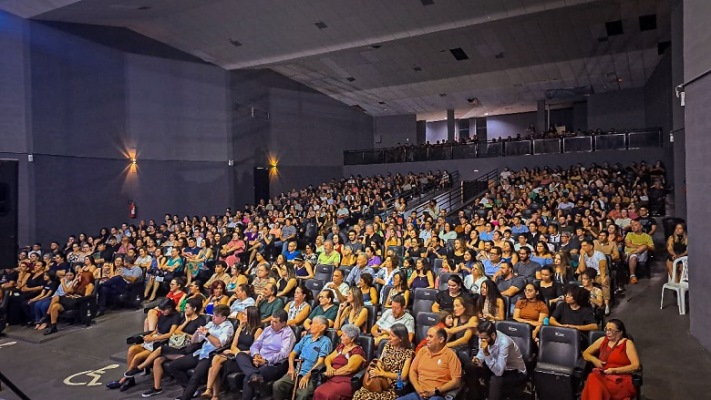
133	162
273	162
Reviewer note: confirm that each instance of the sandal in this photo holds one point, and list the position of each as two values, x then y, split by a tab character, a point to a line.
207	394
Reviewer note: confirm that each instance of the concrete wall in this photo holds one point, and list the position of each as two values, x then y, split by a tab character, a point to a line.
472	168
436	130
503	126
658	95
394	130
697	60
619	110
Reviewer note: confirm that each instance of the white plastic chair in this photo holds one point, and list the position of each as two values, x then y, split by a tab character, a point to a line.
681	287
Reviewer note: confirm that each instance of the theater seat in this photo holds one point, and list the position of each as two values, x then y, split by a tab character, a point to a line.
323	272
3	313
560	366
637	376
368	345
423	300
423	322
85	311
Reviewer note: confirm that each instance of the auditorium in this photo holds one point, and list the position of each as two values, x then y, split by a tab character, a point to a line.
366	200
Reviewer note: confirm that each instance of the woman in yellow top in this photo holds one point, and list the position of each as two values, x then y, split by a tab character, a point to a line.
352	311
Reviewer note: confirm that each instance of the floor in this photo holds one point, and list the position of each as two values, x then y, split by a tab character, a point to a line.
77	362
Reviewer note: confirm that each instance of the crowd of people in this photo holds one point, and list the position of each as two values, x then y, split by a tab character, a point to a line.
540	247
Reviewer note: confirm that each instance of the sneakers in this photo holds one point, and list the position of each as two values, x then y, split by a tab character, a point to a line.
131	373
607	310
152	392
633	280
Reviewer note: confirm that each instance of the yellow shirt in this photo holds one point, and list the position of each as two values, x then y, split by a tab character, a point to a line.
637	239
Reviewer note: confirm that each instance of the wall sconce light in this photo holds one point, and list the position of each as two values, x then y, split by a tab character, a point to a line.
134	162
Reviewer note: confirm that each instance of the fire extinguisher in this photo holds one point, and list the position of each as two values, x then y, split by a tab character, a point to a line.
131	209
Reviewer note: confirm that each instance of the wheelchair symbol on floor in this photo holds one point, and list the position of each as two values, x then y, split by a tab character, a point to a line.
94	374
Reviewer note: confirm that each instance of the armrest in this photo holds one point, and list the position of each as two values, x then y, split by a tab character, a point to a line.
638	377
579	369
219	350
557	369
357	379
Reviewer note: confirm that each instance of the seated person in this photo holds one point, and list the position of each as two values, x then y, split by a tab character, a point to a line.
499	361
220	274
591	258
176	294
587	278
193	293
325	308
436	369
551	291
312	349
239	301
399	288
38	305
509	284
217	296
361	267
576	312
266	360
352	311
637	244
395	359
269	303
396	314
329	256
191	321
117	284
491	304
299	308
531	309
616	360
215	334
341	365
338	286
445	298
287	282
525	267
250	327
370	293
83	285
303	269
167	324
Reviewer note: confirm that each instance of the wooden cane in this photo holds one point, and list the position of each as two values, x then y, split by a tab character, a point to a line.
299	361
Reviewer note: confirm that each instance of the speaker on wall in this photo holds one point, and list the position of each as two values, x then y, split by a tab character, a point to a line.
8	212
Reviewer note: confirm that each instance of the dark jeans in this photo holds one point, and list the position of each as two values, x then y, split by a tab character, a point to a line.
268	372
179	369
498	385
110	289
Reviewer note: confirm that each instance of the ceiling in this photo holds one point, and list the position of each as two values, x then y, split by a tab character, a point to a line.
393	57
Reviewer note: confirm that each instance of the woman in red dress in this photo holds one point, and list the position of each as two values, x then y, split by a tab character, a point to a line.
346	360
616	360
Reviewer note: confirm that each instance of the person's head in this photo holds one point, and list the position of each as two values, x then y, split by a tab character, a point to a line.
366	281
69	275
487	332
167	307
436	338
177	284
325	298
530	291
488	290
242	291
588	277
575	295
262	271
506	269
361	260
400	280
220	313
355	298
587	246
328	246
398	305
318	325
194	287
278	320
462	308
218	288
302	294
455	284
547	273
399	336
250	318
192	306
615	330
679	230
561	259
350	333
220	267
495	254
524	253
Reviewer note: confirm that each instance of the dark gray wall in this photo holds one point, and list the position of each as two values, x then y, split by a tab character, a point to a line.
697	60
503	126
619	110
436	130
658	95
394	130
15	113
470	169
677	61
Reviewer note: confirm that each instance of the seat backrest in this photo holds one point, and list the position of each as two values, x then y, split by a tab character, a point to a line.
397	250
333	335
381	346
423	322
559	346
444	279
437	265
520	333
324	272
372	316
315	286
346	270
423	300
507	306
450	244
368	345
595	335
386	293
684	270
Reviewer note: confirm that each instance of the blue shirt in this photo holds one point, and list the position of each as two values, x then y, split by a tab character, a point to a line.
310	351
490	268
291	255
223	332
354	276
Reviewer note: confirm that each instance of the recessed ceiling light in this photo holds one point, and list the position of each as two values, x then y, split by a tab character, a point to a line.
321	25
381	102
350	79
486	113
235	43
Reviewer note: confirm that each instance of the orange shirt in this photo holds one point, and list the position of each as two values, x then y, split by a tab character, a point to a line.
435	370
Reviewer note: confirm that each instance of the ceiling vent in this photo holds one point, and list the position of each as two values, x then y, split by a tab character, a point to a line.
648	22
235	43
350	79
459	54
614	28
321	25
662	47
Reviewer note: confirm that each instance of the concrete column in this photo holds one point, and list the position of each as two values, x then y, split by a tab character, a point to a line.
451	124
541	116
677	62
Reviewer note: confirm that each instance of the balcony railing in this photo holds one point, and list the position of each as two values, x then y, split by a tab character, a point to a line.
617	141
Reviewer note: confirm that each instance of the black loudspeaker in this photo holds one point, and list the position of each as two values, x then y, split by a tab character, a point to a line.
8	212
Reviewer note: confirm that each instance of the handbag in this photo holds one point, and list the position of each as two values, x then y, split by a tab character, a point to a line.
179	340
375	384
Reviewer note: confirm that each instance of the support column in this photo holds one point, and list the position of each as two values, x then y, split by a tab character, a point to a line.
541	116
451	123
679	145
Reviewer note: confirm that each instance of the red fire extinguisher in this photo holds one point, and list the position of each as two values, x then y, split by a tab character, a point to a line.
131	209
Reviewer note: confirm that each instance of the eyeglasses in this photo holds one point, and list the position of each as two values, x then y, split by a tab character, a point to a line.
609	330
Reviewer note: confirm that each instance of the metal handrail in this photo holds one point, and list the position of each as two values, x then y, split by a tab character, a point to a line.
425	197
4	379
452	151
